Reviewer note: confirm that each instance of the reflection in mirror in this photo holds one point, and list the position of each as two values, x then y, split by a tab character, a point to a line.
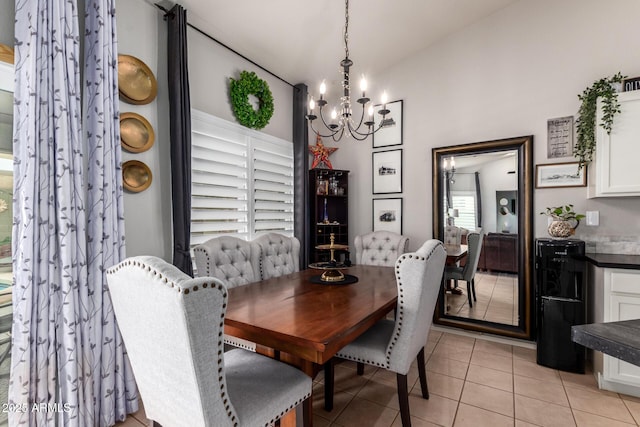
485	188
6	184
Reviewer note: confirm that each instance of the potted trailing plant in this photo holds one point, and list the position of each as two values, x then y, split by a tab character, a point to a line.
565	220
586	123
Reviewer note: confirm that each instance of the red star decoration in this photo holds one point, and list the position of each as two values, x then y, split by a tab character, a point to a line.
321	153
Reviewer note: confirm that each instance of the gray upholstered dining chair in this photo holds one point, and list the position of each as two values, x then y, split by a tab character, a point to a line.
394	344
230	259
452	235
468	271
379	248
279	254
172	327
235	262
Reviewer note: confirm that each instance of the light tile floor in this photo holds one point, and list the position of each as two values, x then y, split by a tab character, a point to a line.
497	296
472	382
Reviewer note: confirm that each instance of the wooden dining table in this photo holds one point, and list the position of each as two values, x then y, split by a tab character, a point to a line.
306	323
455	253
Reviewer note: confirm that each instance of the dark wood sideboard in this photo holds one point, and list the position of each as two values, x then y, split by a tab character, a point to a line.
499	253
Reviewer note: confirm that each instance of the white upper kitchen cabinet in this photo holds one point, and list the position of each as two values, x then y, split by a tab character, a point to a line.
615	170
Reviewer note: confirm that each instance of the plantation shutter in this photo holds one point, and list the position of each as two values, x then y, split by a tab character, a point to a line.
242	181
272	187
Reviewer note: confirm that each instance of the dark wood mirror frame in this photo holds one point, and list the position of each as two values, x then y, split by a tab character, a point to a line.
525	329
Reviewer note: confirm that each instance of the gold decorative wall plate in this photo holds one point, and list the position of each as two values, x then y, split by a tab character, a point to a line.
136	82
136	176
136	133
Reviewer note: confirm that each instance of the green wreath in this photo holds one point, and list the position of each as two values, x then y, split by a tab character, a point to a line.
250	84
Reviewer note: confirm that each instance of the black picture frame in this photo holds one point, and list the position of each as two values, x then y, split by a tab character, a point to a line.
557	175
389	135
387	214
386	169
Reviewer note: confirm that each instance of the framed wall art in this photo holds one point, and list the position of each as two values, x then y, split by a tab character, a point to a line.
556	175
387	215
560	137
391	132
387	171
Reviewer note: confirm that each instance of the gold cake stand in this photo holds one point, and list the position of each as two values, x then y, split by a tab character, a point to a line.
331	269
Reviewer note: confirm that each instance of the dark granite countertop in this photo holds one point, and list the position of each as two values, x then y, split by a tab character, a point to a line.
618	339
631	262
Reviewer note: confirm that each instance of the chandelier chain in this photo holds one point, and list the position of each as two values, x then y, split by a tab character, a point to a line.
346	28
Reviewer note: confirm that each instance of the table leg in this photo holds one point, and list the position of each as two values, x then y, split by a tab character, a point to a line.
328	385
289	419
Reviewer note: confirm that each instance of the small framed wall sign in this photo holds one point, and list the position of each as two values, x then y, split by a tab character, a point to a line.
391	132
387	215
556	175
560	137
631	84
387	171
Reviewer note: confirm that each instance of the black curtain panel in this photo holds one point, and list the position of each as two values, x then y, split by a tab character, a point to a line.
180	134
479	201
300	170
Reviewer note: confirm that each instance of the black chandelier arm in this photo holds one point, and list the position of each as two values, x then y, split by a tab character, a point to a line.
330	135
361	119
341	132
358	136
328	125
370	132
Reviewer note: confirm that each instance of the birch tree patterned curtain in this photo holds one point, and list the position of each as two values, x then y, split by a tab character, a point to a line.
66	350
109	384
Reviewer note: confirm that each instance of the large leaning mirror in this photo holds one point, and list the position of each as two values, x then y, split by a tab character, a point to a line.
486	188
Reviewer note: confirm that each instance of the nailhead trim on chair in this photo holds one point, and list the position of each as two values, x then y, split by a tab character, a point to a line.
195	288
293	405
208	272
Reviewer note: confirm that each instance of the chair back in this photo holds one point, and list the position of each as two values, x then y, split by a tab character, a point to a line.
474	242
172	326
279	254
228	258
380	248
452	235
419	279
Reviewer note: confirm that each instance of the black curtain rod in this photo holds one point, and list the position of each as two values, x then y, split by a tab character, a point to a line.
166	13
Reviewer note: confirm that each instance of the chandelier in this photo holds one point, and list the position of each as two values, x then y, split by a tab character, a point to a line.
449	170
342	122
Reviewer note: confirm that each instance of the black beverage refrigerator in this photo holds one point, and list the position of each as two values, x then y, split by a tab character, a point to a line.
560	302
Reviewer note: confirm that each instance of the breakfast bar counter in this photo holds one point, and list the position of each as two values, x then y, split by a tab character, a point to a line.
618	339
628	262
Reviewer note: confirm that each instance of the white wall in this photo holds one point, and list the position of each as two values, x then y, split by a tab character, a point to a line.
211	66
142	33
502	77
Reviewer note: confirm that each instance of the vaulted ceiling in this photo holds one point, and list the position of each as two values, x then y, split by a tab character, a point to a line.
302	40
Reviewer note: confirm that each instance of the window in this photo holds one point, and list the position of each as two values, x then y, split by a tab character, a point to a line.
241	183
6	215
465	203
